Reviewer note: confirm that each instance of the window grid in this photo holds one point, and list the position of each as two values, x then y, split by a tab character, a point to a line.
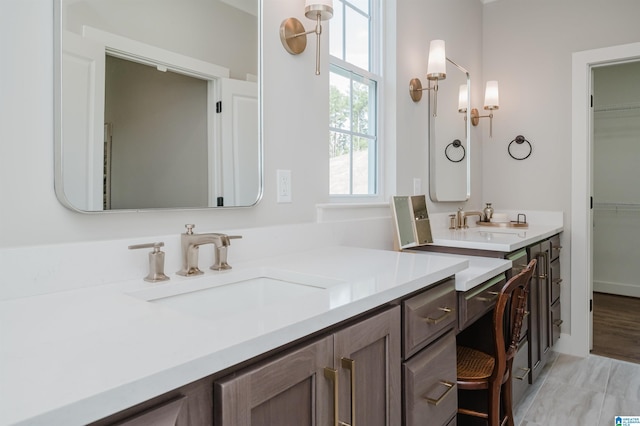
339	66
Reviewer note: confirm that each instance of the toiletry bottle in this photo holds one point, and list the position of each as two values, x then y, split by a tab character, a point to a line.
488	212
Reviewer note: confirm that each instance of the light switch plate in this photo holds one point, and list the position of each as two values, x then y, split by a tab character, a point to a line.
284	186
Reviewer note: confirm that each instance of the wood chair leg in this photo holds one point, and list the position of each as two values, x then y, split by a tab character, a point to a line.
493	405
507	401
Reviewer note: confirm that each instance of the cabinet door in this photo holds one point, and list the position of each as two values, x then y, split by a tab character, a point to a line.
291	390
520	371
367	356
555	321
430	384
556	280
539	310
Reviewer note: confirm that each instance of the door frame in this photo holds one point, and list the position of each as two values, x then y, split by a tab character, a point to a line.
579	341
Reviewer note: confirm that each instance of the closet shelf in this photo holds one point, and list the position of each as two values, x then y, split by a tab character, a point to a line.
618	107
616	206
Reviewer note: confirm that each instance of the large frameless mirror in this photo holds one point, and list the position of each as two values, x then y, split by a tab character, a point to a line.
157	104
449	138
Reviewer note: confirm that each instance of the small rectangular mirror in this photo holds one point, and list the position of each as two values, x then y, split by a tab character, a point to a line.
449	139
157	110
411	218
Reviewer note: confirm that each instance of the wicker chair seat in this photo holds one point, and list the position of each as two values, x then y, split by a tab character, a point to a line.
473	365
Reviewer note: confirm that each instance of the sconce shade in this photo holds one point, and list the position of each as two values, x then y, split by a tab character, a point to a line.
324	8
462	98
437	62
491	100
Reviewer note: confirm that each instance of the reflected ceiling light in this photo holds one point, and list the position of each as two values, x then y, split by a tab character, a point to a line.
292	33
491	102
463	98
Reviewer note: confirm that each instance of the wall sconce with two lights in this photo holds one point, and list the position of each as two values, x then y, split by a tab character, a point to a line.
437	70
293	35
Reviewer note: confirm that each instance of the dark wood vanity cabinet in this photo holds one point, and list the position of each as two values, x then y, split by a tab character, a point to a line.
544	312
351	376
476	302
429	355
545	301
190	405
393	366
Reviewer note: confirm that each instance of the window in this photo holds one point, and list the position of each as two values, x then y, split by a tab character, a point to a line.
354	84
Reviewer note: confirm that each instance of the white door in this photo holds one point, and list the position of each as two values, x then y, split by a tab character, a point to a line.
83	64
240	147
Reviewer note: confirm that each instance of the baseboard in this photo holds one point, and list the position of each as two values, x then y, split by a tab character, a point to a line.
621	289
570	345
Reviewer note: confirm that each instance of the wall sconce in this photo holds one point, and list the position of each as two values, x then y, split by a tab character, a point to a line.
292	33
436	70
491	102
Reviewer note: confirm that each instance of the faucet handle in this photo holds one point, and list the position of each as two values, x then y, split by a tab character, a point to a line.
156	261
234	237
154	246
189	227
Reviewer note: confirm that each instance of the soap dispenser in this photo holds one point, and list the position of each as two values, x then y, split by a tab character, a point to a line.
488	212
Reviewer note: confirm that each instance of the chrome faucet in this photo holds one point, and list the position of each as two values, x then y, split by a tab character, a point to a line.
461	217
191	243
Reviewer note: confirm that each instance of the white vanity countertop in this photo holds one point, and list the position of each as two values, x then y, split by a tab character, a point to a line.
480	269
77	356
493	239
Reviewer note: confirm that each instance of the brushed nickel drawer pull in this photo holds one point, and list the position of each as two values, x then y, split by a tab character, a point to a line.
524	376
556	247
350	365
447	312
557	281
449	385
494	297
558	323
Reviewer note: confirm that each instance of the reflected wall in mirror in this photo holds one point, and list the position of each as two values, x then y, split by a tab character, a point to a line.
449	138
157	104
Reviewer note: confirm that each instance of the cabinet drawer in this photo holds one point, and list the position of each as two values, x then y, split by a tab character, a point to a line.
519	261
427	316
556	280
165	414
520	371
554	247
556	321
430	389
476	302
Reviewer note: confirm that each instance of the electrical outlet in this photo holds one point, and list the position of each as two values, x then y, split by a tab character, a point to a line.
284	186
417	186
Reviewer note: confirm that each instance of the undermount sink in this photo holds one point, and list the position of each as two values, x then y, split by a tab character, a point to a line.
215	296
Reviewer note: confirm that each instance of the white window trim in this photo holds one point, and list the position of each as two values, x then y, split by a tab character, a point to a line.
376	59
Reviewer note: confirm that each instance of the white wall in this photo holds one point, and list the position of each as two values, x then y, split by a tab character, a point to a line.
167	21
527	47
295	117
459	23
295	125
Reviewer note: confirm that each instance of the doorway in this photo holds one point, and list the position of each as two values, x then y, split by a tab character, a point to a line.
616	210
579	341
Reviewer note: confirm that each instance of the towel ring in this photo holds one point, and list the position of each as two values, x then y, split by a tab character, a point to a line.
455	144
520	140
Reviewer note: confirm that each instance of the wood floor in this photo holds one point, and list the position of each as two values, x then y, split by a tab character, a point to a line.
616	327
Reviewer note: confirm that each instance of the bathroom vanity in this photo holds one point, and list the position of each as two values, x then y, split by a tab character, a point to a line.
541	242
122	351
115	351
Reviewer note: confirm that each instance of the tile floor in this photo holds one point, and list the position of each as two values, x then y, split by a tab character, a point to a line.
582	392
